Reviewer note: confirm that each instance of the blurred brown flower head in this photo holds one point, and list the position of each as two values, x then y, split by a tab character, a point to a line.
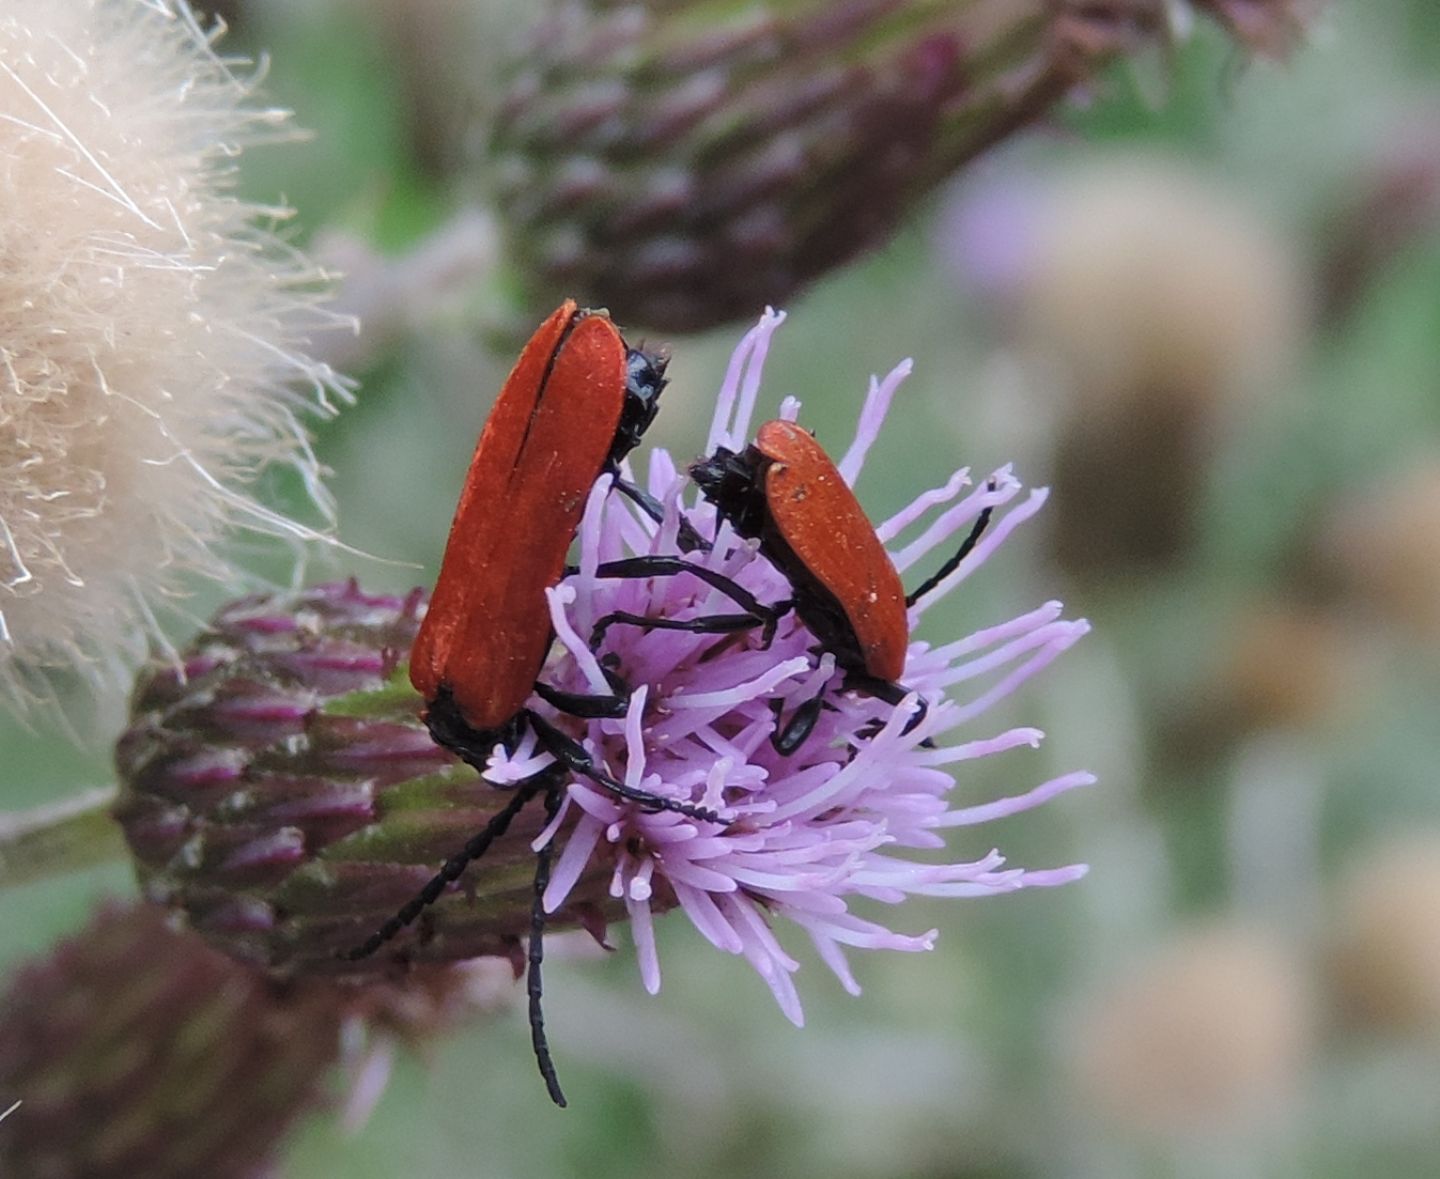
1386	935
1390	208
1161	310
1210	1034
1279	663
1381	547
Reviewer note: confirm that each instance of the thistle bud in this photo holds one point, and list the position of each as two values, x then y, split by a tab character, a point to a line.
683	164
280	788
137	1050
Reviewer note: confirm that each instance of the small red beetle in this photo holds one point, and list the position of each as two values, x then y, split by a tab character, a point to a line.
555	427
787	493
576	402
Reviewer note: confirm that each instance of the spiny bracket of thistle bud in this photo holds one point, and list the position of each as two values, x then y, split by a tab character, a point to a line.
682	163
280	788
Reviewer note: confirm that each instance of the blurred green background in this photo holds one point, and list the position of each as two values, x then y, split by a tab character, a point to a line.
1204	305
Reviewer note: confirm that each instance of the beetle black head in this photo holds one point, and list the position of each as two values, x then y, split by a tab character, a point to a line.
452	731
644	382
735	484
732	483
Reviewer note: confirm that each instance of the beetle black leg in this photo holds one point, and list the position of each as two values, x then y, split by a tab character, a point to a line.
687	539
574	757
667	566
892	694
585	706
534	987
981	523
787	738
474	848
710	624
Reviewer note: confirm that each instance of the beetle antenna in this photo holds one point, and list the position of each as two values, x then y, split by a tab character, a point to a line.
534	986
665	565
709	624
687	539
474	848
585	705
981	523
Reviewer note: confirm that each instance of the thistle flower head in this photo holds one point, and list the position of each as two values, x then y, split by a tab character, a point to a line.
280	787
151	329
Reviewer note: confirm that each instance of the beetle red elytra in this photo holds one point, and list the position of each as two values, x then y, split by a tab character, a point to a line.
785	491
553	430
576	402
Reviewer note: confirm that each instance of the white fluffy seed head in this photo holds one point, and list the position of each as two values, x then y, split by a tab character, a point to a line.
151	330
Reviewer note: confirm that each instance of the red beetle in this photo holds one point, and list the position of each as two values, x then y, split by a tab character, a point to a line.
576	402
785	491
555	427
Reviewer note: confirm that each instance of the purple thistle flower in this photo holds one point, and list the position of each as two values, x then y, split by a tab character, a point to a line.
803	833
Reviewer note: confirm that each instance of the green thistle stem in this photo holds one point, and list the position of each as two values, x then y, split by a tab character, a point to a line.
59	838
